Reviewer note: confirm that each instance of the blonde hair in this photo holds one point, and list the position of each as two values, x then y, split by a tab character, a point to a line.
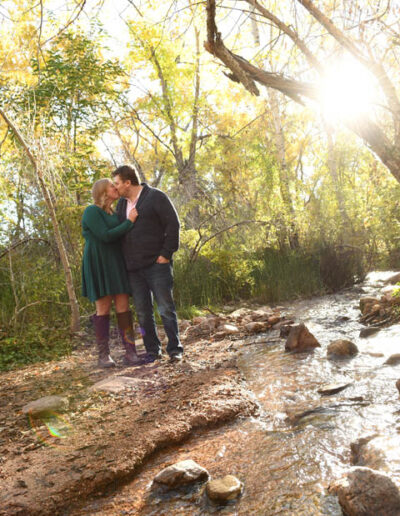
99	192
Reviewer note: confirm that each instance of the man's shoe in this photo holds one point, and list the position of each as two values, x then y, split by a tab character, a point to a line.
105	361
176	357
149	359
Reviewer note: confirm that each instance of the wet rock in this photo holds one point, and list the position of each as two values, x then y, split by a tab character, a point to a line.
342	349
285	330
224	489
365	492
393	360
44	405
393	279
333	388
364	454
342	318
389	294
367	332
281	324
115	384
301	339
184	472
255	327
274	319
377	452
366	303
398	384
296	414
376	309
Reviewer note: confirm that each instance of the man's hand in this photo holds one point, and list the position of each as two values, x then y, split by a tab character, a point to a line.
162	259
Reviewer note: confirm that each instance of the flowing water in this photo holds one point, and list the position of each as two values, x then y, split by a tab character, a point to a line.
287	457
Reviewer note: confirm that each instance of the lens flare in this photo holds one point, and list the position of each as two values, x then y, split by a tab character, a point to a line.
51	429
347	90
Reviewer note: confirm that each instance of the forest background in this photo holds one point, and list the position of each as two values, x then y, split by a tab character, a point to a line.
286	188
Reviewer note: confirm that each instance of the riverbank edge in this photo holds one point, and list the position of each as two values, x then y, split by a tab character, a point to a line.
206	390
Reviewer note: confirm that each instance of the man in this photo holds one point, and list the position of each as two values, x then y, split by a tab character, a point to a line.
148	248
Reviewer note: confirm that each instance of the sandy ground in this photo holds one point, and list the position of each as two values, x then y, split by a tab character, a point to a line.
103	439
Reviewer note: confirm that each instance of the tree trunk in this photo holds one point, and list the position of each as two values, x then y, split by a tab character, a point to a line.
73	302
284	185
332	168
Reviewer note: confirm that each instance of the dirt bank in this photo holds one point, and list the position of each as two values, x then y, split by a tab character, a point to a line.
104	438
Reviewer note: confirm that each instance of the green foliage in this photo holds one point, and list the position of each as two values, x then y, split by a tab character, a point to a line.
78	109
36	344
286	275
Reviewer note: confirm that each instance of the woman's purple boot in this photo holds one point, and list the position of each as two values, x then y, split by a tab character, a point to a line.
125	327
102	330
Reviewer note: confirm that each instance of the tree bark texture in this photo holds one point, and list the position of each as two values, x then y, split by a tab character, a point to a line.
73	302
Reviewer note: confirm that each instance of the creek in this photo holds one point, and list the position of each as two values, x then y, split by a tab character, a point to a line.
288	455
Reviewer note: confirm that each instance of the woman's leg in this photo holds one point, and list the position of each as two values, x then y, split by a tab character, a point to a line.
102	329
103	305
125	325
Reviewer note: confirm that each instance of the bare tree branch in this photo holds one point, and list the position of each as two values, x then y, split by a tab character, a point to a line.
22	242
201	243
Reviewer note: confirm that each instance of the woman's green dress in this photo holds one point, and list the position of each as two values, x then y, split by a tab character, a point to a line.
103	266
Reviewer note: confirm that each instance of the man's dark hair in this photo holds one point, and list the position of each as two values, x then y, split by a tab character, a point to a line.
126	172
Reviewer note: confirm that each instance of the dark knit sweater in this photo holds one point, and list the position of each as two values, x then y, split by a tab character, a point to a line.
155	232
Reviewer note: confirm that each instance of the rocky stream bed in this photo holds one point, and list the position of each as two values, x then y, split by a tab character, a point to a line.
306	418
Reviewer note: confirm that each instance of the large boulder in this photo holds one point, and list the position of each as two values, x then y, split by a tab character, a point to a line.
342	349
398	384
181	473
301	339
366	492
224	489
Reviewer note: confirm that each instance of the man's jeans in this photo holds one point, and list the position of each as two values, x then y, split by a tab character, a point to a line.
155	280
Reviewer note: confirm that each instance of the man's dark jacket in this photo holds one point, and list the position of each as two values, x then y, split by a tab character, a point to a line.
155	231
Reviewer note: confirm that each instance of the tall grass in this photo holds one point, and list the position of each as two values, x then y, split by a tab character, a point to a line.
280	276
267	276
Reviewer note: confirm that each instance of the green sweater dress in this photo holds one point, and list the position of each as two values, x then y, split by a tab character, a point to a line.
103	266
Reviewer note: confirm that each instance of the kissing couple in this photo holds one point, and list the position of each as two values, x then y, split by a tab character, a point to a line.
128	252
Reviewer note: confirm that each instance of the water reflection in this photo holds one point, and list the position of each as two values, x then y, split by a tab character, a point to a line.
301	442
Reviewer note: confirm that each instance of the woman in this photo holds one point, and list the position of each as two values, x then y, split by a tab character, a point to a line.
104	277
